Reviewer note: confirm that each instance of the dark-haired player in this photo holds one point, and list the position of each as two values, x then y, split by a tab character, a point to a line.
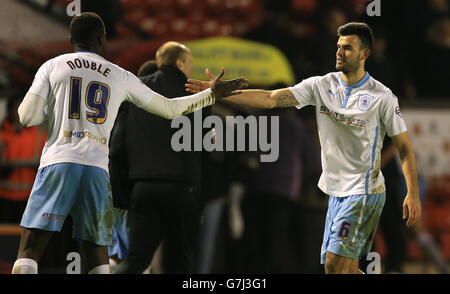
353	113
79	95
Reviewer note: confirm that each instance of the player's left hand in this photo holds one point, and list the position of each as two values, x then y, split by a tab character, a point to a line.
222	89
195	86
411	209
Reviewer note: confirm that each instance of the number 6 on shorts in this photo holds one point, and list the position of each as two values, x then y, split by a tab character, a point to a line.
344	230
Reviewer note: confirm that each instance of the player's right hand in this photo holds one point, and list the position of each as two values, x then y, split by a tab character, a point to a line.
411	209
195	86
219	87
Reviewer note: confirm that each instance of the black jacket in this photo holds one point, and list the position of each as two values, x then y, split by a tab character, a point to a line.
150	154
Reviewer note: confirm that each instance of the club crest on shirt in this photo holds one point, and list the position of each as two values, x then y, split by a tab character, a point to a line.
365	101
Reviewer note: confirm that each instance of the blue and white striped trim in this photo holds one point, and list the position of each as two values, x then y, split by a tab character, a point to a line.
374	147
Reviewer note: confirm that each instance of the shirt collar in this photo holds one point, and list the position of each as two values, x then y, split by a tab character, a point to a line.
90	52
358	84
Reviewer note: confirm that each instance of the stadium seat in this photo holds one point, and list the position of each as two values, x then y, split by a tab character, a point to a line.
445	245
442	218
189	7
215	6
194	25
304	7
379	244
131	5
414	252
135	18
248	7
124	32
210	27
132	58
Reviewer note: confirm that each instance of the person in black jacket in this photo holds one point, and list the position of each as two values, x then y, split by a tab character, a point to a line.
121	185
165	202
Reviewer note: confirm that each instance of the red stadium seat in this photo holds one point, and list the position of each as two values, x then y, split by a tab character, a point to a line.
215	6
226	27
189	7
194	25
154	27
442	218
131	5
132	58
360	6
210	27
248	6
379	244
428	212
124	32
414	252
135	18
306	7
445	245
160	5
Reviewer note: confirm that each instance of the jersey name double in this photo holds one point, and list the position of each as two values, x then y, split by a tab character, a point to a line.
83	63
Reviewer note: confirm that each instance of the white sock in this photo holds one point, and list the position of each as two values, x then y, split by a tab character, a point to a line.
25	266
112	264
101	269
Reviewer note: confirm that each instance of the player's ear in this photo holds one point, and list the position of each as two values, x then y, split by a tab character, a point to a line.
365	53
179	64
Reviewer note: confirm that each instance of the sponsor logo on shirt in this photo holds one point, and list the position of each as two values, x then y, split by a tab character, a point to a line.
86	134
342	118
365	102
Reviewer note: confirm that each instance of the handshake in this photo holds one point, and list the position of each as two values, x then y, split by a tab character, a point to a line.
219	88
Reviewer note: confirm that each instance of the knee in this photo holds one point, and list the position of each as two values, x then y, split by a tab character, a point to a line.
331	267
337	266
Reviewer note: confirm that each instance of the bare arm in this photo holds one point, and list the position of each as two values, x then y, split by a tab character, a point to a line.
411	205
251	98
216	89
264	99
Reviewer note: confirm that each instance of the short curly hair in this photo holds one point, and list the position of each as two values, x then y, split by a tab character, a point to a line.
86	28
362	30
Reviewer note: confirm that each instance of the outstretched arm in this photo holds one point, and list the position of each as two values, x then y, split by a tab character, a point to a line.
252	98
264	99
411	205
171	108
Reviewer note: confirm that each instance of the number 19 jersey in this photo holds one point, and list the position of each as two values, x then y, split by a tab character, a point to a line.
83	92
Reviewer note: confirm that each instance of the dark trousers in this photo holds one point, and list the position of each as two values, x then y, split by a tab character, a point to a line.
267	245
166	211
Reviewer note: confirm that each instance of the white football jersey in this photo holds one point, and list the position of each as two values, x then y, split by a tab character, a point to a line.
83	92
352	122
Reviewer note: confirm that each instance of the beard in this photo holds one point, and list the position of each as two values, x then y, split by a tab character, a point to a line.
347	67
